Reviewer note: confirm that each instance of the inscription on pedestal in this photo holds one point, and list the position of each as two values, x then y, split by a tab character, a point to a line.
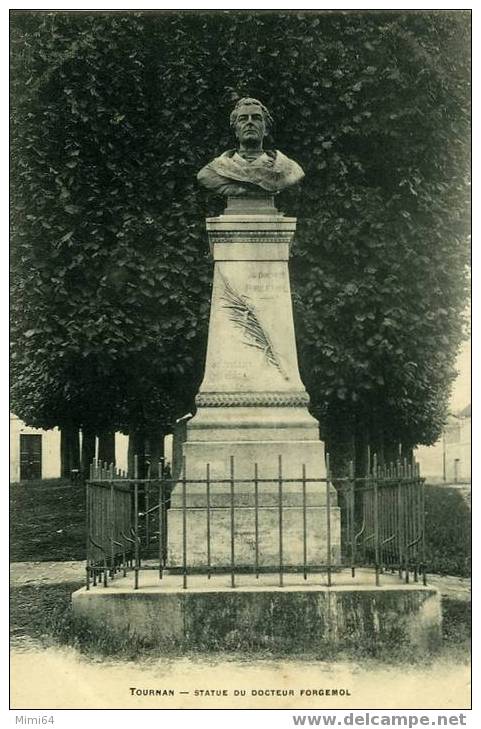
232	372
272	282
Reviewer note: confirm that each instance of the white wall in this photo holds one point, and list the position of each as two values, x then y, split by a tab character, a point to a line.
458	451
168	448
430	459
50	449
121	451
456	444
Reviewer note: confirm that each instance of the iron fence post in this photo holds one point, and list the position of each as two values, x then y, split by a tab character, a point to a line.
136	533
412	524
352	517
87	526
405	496
111	520
184	525
407	516
232	524
328	514
105	530
160	522
281	546
304	521
376	518
392	517
400	519
416	506
383	497
207	487
256	518
147	513
165	482
366	502
93	504
423	523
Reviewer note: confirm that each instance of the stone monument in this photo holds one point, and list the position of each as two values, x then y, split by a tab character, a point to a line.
252	406
252	410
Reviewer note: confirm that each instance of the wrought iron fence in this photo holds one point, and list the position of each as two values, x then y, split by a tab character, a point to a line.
384	519
382	523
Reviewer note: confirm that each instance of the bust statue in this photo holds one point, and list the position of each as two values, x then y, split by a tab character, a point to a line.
250	171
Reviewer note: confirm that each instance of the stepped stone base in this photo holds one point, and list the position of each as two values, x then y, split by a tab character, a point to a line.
252	416
211	614
234	423
244	532
247	453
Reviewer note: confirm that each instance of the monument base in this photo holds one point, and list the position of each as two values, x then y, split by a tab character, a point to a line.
245	537
252	424
208	518
257	614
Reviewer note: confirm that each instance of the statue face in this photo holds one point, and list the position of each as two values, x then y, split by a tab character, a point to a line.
250	127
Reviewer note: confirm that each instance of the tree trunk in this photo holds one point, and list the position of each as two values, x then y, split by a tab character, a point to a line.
362	450
407	453
136	448
65	462
69	450
392	452
362	468
155	451
88	451
340	444
377	443
107	448
75	449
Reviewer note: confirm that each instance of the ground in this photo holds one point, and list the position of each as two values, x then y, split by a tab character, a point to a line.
50	668
51	671
62	678
47	520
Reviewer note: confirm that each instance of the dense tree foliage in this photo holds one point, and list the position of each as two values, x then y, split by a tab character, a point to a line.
112	116
106	307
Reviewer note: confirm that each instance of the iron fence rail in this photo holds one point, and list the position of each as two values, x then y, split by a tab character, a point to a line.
382	523
110	534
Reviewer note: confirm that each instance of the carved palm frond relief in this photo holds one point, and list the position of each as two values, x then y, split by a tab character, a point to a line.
243	314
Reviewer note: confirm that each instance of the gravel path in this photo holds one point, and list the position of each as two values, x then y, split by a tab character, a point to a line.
49	573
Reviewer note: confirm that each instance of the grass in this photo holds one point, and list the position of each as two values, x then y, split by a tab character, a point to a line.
41	612
47	521
448	531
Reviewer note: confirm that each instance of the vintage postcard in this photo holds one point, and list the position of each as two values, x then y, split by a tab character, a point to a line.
240	370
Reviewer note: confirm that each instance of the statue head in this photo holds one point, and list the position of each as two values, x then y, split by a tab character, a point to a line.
250	121
247	171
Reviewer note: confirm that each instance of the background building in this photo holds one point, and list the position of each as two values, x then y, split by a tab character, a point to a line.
450	458
35	453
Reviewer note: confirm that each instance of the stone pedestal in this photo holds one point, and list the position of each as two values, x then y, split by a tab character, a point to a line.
252	406
351	615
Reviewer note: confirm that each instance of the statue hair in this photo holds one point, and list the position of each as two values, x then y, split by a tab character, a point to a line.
248	100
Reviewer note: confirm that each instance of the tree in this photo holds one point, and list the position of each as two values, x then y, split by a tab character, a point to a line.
387	267
113	115
105	317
